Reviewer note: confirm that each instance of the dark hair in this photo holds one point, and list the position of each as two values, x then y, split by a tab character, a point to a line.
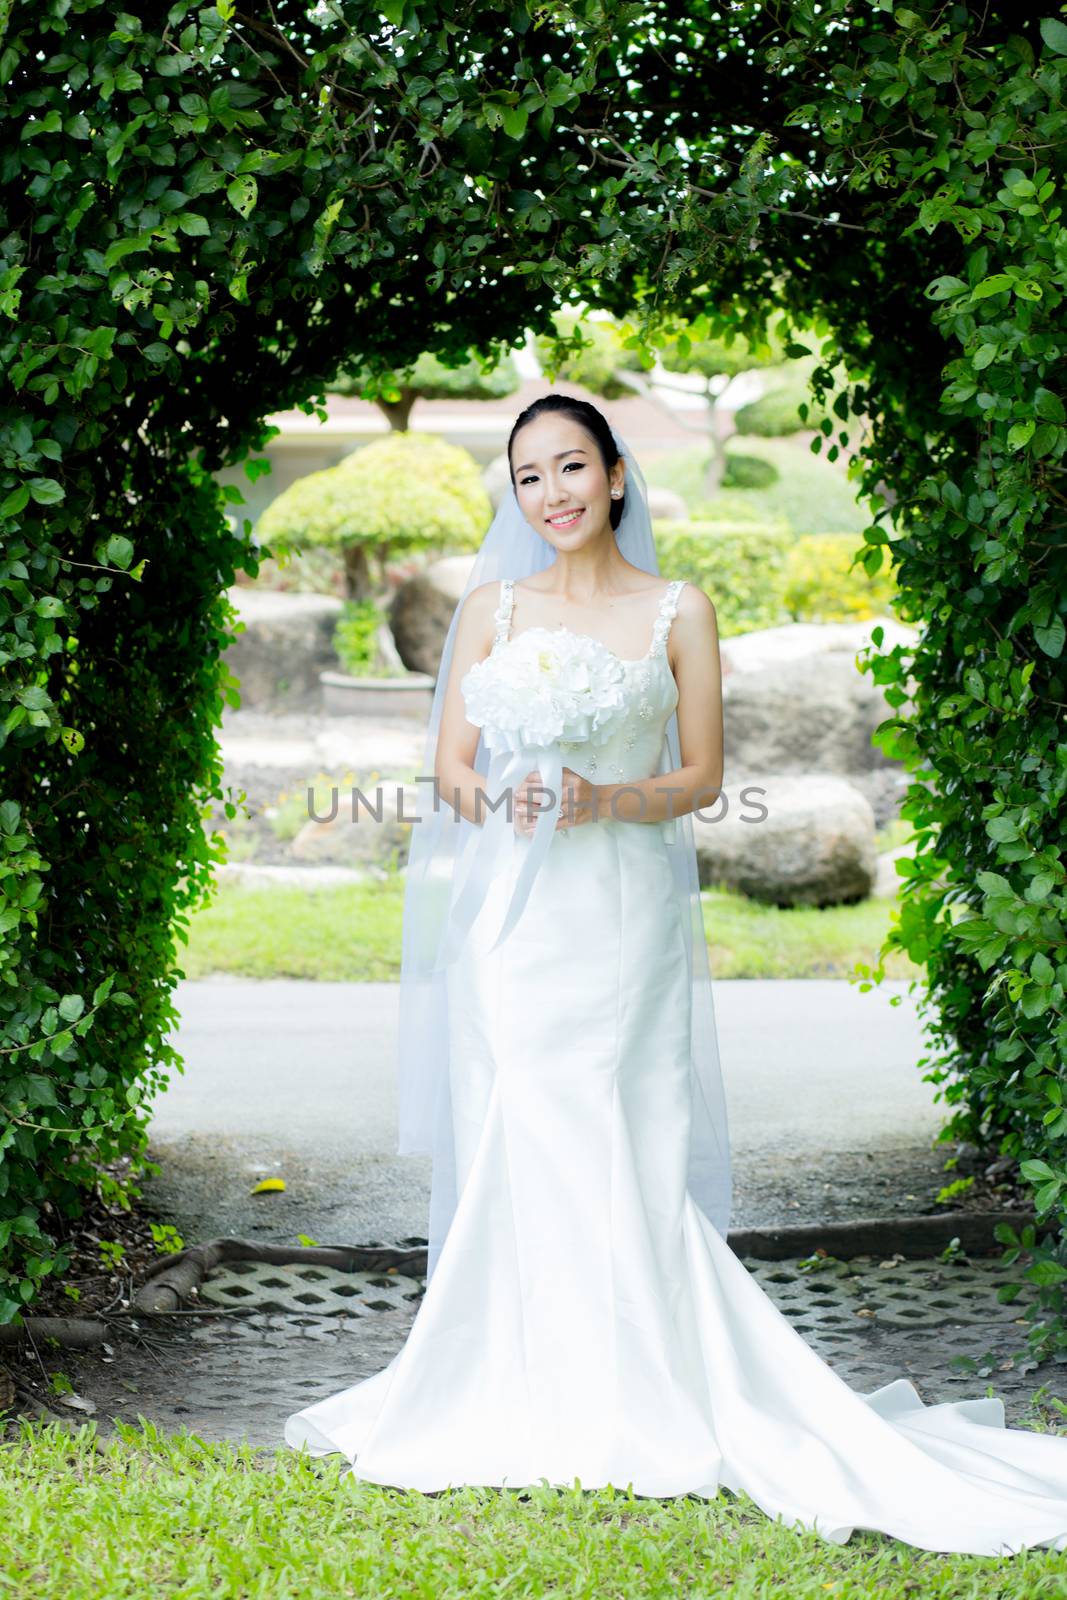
594	423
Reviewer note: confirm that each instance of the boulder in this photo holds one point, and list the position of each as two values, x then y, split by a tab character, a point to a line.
422	609
355	836
497	479
788	840
795	700
666	506
287	641
770	647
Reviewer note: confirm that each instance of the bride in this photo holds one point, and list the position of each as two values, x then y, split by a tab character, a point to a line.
584	1317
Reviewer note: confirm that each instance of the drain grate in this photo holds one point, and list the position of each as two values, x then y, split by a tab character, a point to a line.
834	1297
298	1332
831	1300
315	1290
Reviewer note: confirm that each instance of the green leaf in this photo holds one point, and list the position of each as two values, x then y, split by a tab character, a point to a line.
1036	1171
243	193
46	491
103	988
992	285
16	501
34	697
944	288
1051	639
1046	1272
1049	406
513	120
1054	33
118	552
193	223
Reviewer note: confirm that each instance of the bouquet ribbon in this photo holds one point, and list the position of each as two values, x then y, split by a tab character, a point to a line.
487	848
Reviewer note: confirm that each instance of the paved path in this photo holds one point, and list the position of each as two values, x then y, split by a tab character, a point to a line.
805	1061
296	1079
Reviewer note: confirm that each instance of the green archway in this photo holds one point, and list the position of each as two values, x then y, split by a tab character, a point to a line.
205	217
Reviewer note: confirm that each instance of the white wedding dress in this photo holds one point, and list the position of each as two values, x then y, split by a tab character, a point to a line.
585	1319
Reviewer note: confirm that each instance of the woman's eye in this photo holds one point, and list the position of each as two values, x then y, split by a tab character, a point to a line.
577	465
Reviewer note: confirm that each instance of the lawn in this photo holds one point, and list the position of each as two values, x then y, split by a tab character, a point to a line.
149	1514
351	933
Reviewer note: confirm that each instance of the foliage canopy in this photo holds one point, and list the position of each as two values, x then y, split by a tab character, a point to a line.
206	214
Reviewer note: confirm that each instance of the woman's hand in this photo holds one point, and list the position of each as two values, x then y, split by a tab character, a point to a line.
577	801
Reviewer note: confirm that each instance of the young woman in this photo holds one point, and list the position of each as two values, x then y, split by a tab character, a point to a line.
584	1317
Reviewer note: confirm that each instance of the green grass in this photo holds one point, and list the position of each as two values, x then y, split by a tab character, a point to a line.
812	494
348	932
351	933
173	1515
747	940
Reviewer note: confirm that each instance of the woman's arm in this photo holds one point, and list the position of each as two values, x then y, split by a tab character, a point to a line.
457	739
694	640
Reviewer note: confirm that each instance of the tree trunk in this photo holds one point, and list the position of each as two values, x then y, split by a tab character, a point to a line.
358	581
720	426
397	412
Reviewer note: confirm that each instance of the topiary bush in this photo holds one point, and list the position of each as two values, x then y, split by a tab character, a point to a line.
826	581
428	378
786	407
741	568
748	472
405	492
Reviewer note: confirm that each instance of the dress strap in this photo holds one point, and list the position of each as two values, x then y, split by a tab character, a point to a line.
668	606
502	614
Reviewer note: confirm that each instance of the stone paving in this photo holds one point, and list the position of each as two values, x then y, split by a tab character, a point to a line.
268	1340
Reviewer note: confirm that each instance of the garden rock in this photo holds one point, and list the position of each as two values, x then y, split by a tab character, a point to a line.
287	642
795	701
422	609
666	506
788	840
497	479
355	836
771	647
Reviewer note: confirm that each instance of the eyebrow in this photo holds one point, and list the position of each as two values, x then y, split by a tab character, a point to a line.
577	451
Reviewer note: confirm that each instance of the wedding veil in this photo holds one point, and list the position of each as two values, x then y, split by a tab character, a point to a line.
439	842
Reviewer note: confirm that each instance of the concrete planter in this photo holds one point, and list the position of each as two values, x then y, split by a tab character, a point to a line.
347	696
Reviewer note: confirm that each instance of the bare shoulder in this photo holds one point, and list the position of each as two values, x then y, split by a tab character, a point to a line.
484	595
477	613
482	601
696	609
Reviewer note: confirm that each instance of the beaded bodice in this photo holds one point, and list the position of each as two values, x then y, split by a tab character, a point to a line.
649	689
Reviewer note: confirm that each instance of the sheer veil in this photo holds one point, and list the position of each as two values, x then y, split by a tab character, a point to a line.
442	847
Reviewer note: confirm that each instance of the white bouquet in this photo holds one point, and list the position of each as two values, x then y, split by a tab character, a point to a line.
541	688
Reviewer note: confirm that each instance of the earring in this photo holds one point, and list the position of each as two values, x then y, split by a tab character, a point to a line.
616	494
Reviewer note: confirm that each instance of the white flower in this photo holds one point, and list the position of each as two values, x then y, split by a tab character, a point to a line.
542	687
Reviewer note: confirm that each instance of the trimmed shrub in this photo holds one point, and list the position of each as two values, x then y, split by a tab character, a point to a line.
776	413
749	472
741	568
820	587
407	491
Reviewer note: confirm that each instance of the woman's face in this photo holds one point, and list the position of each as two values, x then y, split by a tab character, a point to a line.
561	485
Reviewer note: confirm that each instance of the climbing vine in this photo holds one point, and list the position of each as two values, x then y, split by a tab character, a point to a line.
208	213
